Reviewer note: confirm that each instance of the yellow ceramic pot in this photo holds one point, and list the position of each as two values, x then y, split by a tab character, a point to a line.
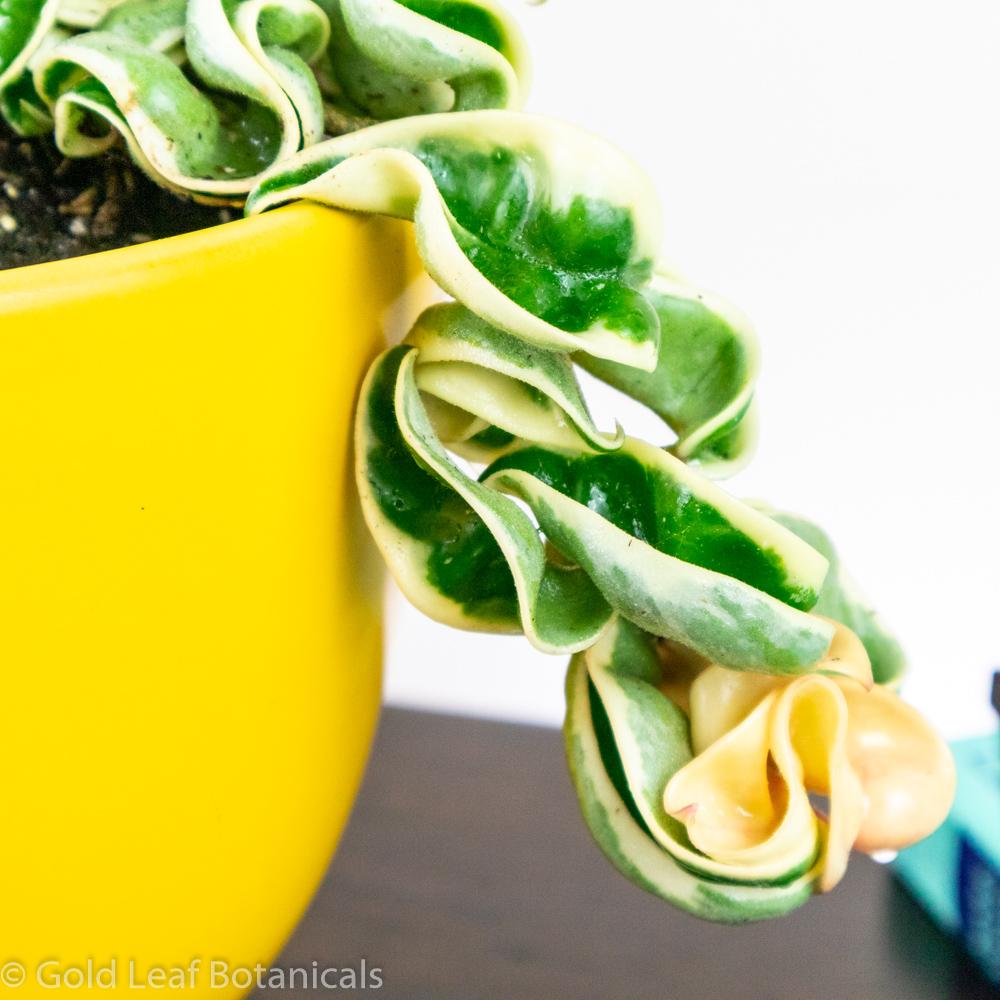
189	620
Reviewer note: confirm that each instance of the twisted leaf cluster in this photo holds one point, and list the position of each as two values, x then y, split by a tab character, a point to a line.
724	666
207	94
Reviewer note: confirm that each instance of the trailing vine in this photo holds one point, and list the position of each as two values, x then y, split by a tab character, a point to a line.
724	668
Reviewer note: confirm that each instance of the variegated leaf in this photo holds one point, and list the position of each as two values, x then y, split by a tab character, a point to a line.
26	29
464	554
703	383
658	499
540	229
253	99
676	596
528	392
394	59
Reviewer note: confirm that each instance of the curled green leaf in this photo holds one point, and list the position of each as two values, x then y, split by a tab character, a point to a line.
528	392
676	554
540	229
394	59
23	25
253	99
702	386
657	499
464	554
27	28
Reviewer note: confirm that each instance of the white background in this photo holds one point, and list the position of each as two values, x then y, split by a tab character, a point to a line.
833	169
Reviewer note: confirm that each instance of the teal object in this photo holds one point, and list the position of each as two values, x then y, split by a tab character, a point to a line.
955	873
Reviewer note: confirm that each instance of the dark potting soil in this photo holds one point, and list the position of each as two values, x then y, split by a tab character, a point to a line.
52	208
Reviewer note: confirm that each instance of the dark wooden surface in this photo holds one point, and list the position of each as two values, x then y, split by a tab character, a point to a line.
467	873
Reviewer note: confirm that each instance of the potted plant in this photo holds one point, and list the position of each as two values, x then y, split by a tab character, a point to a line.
185	583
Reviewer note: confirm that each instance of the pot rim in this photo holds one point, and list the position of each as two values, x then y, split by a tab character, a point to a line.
35	286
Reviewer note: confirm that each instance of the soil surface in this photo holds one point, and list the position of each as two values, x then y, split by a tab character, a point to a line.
52	208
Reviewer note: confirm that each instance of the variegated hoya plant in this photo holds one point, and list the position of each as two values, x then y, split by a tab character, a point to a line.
732	727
